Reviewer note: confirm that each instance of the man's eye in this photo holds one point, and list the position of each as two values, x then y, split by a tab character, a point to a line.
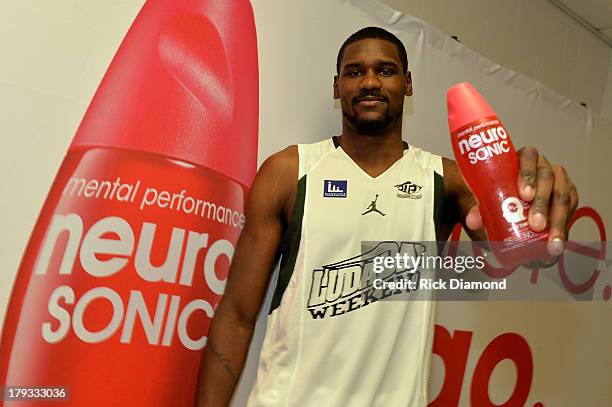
354	73
386	72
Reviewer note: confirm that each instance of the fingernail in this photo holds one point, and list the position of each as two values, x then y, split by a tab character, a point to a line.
528	192
555	247
538	221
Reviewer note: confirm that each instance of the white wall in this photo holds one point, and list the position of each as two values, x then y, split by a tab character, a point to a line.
531	37
607	102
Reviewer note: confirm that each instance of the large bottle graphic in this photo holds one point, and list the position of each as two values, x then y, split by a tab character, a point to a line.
130	254
489	163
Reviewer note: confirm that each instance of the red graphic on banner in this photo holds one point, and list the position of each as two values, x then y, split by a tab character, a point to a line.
129	257
454	350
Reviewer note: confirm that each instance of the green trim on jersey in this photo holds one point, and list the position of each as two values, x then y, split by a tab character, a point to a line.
290	245
336	141
438	202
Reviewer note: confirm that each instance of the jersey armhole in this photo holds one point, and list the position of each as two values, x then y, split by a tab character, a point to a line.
438	208
301	166
290	245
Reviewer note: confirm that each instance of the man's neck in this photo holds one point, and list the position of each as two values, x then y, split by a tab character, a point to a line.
374	153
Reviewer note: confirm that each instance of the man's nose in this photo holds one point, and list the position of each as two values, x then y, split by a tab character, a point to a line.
370	80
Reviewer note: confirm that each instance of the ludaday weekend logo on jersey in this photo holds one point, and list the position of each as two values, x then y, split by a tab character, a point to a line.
333	188
348	285
409	190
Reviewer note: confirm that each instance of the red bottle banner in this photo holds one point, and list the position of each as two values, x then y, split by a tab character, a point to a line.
124	270
130	254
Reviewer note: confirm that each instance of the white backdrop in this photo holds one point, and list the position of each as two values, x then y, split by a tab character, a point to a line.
54	57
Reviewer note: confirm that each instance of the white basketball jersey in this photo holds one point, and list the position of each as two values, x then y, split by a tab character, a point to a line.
330	340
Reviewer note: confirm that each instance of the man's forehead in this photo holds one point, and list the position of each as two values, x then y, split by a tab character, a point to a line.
371	50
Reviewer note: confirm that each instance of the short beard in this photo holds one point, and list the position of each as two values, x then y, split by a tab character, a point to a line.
371	126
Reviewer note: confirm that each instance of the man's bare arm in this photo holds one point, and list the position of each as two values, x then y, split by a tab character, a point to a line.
458	201
254	258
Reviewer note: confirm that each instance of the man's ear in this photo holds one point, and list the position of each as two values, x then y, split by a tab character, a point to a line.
336	92
408	83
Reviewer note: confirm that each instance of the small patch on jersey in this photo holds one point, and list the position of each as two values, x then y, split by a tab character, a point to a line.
372	208
334	188
409	189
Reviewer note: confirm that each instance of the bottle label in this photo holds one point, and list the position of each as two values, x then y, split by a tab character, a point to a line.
489	164
512	208
482	140
127	263
514	211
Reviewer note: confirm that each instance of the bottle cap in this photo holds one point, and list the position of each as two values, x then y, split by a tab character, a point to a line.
465	105
183	84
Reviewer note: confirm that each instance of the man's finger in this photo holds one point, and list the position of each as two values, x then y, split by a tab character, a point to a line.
560	205
563	205
528	162
545	179
473	220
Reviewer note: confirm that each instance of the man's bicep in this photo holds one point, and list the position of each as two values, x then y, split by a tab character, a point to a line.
258	246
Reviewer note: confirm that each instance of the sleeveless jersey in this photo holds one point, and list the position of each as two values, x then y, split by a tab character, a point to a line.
327	342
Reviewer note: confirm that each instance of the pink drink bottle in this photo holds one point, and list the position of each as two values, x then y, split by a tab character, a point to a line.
130	254
489	164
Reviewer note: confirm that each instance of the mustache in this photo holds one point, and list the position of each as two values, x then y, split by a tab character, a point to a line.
369	95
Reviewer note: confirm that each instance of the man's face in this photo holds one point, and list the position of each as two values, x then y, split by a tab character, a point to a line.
372	85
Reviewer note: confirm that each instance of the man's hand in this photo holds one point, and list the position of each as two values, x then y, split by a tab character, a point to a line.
552	194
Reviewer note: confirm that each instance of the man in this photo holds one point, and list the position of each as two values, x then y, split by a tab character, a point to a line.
312	205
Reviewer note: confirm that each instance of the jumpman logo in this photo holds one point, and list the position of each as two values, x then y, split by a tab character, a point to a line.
372	207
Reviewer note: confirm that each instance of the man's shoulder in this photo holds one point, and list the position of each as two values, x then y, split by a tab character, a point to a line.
319	147
428	159
298	159
276	177
291	154
282	161
446	167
